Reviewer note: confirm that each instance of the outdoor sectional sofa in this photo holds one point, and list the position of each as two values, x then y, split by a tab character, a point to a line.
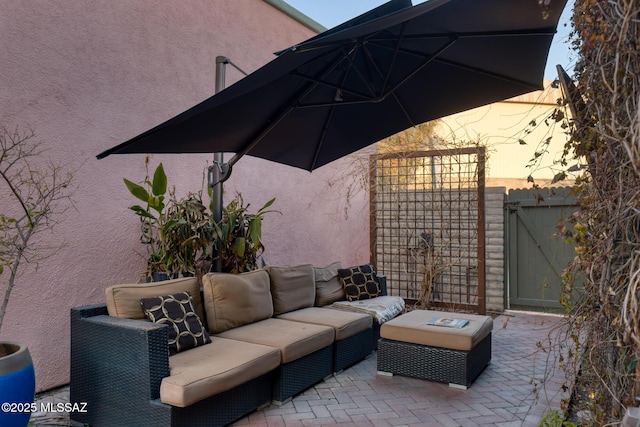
258	338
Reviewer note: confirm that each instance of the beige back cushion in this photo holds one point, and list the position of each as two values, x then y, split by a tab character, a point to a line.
124	300
291	287
329	289
233	300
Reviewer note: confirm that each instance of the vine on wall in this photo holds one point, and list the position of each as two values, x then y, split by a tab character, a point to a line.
604	148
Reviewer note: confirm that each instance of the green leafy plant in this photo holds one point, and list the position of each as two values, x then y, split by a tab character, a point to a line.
180	234
177	232
152	216
188	234
240	236
554	418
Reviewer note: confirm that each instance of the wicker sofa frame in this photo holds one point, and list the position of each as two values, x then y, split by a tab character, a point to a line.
353	349
117	366
458	368
123	387
300	374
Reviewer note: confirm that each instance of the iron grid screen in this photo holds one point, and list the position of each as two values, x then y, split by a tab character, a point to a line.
428	225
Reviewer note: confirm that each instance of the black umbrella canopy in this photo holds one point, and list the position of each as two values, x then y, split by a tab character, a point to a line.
356	84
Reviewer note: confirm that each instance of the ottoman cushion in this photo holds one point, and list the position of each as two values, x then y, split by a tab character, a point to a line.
413	327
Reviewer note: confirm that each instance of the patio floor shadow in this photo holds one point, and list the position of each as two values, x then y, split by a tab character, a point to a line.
521	382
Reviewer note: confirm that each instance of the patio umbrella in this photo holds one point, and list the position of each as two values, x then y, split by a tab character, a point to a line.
361	82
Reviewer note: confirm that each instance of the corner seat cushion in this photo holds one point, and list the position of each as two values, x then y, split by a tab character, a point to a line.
206	371
233	300
345	324
124	300
292	287
294	339
413	327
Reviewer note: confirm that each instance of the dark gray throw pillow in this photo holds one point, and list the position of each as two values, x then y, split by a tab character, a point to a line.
177	311
359	282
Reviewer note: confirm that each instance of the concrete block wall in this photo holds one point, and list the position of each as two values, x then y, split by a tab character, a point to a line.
494	240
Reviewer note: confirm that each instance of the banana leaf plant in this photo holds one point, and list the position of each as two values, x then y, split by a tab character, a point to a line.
240	234
152	216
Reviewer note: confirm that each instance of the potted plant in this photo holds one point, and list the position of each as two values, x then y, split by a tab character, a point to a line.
152	218
239	234
187	234
34	194
176	231
180	234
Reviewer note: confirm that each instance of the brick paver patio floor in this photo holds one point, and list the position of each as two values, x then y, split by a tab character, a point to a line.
519	384
503	395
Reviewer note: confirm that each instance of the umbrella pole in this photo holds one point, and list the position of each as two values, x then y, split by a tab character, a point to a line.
215	173
219	171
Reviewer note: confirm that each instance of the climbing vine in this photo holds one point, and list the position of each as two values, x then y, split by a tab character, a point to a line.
601	287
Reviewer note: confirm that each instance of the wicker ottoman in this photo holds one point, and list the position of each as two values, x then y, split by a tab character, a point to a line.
411	346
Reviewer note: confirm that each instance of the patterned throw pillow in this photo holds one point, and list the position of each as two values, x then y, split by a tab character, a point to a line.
177	311
359	282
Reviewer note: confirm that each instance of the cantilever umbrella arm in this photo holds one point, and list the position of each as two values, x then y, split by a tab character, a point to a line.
218	172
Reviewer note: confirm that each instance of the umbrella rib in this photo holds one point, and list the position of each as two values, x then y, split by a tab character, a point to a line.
380	97
332	110
377	95
547	31
365	97
387	75
489	73
393	59
271	124
348	56
316	154
377	42
393	91
372	90
435	58
428	60
281	115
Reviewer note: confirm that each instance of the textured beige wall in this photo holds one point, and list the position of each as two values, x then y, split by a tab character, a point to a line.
502	126
88	75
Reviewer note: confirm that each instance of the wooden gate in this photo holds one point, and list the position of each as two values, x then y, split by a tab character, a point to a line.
536	256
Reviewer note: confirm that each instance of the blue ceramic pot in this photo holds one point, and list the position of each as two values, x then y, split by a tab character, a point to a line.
17	384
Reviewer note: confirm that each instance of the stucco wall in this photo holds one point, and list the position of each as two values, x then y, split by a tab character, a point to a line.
88	75
506	129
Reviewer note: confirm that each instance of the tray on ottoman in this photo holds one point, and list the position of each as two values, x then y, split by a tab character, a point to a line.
410	346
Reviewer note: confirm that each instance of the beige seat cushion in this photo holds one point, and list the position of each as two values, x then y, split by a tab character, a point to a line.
292	287
413	327
294	339
329	289
233	300
124	300
344	324
206	371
